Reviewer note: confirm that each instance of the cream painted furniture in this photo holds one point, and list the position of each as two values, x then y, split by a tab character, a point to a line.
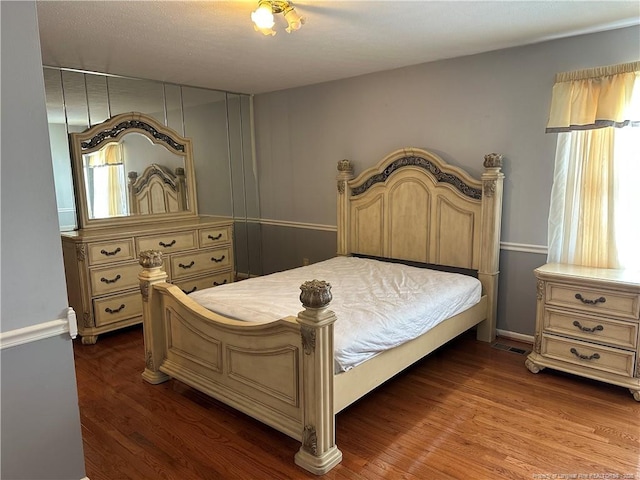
411	205
587	323
102	267
119	219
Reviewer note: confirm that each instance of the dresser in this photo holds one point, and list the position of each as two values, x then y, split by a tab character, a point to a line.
587	323
101	267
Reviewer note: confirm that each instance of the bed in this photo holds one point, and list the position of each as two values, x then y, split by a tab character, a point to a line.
411	207
157	190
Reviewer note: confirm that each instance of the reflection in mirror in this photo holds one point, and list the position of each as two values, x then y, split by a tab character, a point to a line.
218	124
155	176
132	169
105	183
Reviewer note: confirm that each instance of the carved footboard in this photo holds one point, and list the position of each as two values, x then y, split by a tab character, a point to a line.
280	373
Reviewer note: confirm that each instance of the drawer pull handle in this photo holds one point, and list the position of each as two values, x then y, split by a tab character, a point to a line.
190	291
595	356
216	284
187	266
218	260
167	245
597	328
590	302
108	254
217	237
109	310
113	280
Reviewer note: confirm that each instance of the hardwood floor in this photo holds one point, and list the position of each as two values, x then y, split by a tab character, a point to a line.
468	411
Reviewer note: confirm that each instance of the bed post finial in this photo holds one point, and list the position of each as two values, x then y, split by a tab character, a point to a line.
315	294
492	179
345	173
318	453
493	160
152	273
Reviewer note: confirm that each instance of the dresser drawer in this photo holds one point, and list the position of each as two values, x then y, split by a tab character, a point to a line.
168	242
109	252
593	300
200	283
594	329
114	279
189	264
210	237
606	359
117	308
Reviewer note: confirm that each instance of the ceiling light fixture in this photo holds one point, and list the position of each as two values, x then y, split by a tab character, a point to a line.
263	16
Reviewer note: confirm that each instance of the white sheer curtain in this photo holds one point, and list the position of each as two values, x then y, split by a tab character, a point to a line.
107	195
595	200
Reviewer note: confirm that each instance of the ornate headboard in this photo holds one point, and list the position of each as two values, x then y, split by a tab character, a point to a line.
157	190
414	206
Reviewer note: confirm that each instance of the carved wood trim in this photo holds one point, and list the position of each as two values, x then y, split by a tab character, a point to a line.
310	440
540	289
489	187
308	339
81	252
149	360
144	291
87	320
119	128
415	161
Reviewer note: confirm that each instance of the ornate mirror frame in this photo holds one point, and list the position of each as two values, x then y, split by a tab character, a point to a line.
112	130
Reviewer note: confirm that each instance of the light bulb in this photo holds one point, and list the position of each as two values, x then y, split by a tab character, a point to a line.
263	17
294	20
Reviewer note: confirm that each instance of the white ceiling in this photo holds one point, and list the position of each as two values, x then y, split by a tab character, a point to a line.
213	44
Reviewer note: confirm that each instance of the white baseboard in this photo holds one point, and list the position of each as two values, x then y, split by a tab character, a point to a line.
521	337
40	331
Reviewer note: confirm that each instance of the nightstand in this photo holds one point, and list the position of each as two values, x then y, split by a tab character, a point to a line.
587	323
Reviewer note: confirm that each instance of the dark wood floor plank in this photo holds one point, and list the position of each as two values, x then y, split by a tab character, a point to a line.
468	411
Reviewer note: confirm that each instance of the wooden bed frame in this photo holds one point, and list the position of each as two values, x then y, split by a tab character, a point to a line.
157	190
411	205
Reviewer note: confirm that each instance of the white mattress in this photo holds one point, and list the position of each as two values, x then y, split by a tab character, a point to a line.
379	305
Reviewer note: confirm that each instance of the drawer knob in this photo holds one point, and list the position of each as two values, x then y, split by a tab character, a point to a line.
215	284
187	266
167	245
108	254
112	280
110	310
597	328
595	356
590	302
217	237
190	291
218	260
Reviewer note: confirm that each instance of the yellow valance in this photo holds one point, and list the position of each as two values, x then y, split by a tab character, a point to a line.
108	155
596	98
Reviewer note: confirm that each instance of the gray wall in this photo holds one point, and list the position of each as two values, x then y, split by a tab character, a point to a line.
461	109
40	429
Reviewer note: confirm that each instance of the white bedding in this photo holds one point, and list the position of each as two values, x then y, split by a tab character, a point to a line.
379	305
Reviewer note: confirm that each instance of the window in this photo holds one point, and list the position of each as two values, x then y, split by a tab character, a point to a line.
106	182
595	200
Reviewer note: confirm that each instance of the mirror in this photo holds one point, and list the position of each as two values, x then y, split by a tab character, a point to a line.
131	168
